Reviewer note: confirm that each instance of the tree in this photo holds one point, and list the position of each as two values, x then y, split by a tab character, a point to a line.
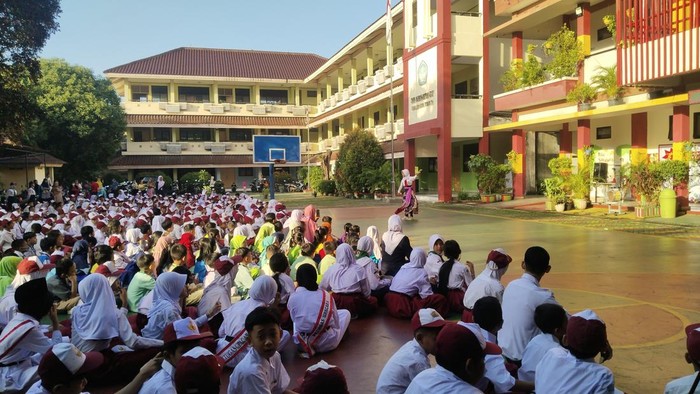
25	25
82	121
358	160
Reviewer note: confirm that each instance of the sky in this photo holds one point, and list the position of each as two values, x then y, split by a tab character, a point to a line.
100	34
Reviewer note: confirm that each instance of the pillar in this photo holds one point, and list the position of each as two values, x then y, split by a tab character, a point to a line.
444	164
329	88
127	91
370	61
217	136
583	28
214	94
681	134
583	137
518	145
256	94
638	153
484	143
318	95
370	118
297	96
355	122
175	175
353	71
175	135
409	156
340	80
565	140
172	97
217	174
517	46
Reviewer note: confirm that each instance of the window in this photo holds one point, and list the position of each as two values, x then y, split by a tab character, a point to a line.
195	134
159	93
225	95
242	96
432	164
278	132
310	93
362	122
139	134
240	135
139	93
191	94
461	88
265	172
162	134
245	172
696	125
277	97
603	33
467	151
603	133
376	118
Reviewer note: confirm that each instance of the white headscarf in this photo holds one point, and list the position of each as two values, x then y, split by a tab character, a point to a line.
495	272
261	293
166	294
96	318
373	233
133	236
393	237
365	244
417	259
218	289
344	272
271	206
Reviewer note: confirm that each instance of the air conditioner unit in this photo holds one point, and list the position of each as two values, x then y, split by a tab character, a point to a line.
227	107
249	107
334	101
259	110
162	106
249	146
290	109
206	106
322	146
322	107
174	149
398	68
380	132
184	106
346	94
304	147
338	97
216	109
173	108
327	102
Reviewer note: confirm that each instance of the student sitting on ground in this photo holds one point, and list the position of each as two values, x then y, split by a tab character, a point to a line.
328	260
247	272
285	286
198	371
551	319
142	282
435	259
688	384
488	282
63	368
261	370
412	358
307	254
454	277
178	253
377	284
323	378
349	284
219	290
64	286
411	291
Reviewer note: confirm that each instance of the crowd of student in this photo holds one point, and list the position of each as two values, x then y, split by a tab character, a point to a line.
162	293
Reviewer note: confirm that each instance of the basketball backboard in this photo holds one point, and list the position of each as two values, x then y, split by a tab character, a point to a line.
268	149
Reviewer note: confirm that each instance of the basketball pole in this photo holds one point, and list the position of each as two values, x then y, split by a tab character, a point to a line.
308	156
271	181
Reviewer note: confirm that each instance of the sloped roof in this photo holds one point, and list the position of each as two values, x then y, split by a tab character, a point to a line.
20	155
231	63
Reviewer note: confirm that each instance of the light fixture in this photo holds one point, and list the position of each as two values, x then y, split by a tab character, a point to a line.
578	11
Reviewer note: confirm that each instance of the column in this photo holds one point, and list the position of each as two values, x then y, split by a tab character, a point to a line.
517	46
256	94
370	61
329	88
638	153
681	134
175	134
172	97
518	145
565	140
485	143
127	92
297	96
353	71
217	174
318	95
175	174
444	164
355	121
340	80
583	137
214	94
217	136
583	28
370	118
409	156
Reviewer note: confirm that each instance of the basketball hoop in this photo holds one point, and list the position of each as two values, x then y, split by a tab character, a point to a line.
280	161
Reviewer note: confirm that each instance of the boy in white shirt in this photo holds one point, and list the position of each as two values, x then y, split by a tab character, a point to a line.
688	384
552	320
62	370
412	358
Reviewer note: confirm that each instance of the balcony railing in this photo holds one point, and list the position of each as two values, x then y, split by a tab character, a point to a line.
160	107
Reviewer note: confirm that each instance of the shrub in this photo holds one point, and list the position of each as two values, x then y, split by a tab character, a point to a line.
119	176
582	93
533	71
193	182
138	176
566	53
359	157
326	187
219	187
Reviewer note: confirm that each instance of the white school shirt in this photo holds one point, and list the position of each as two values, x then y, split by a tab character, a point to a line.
286	289
354	281
130	339
433	263
255	374
372	273
6	239
534	351
483	286
460	276
411	281
681	385
162	382
520	299
410	360
157	223
561	372
157	322
495	370
440	380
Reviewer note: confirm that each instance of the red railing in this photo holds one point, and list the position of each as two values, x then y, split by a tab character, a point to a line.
657	39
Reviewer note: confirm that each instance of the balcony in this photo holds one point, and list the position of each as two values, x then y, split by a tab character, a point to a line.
466	35
158	108
467	116
507	7
544	93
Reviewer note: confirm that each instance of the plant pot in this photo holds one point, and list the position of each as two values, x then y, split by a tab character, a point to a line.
549	205
569	205
647	211
488	198
584	106
499	197
580	203
615	101
506	197
560	207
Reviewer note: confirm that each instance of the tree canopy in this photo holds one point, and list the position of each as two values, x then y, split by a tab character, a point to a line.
359	162
25	25
81	119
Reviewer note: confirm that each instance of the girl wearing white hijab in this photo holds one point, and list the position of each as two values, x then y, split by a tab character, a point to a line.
349	284
133	243
232	345
97	325
435	259
488	282
376	251
378	284
396	247
219	290
411	291
167	305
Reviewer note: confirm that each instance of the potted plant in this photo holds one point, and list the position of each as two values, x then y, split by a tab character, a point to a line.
606	80
483	166
580	189
583	94
645	180
566	53
554	192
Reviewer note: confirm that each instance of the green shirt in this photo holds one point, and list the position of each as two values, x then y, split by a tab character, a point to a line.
140	285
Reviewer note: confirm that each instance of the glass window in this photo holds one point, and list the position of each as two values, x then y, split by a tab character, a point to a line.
159	93
242	96
139	93
245	172
225	95
191	94
270	96
240	135
310	93
139	134
162	134
195	134
278	132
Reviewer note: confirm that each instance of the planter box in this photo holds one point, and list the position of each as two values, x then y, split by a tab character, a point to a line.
548	92
648	211
488	198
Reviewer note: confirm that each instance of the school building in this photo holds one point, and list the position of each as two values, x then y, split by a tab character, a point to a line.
194	108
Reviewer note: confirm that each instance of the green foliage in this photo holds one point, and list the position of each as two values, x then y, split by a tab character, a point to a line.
560	166
315	177
606	79
610	23
533	71
109	175
359	157
82	121
193	182
512	78
282	176
139	175
463	195
24	28
490	176
381	178
646	181
582	93
674	172
327	188
565	52
554	189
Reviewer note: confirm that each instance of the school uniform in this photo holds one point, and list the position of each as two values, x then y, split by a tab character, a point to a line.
433	264
256	374
533	354
318	325
349	284
166	305
459	279
484	285
162	382
440	380
681	385
397	374
561	372
411	291
243	280
520	299
495	369
140	285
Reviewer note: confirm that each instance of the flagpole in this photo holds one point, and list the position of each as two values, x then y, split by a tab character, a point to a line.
390	64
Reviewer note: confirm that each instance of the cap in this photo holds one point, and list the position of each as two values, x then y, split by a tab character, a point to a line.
459	342
32	264
198	371
693	341
183	330
64	361
114	242
323	378
499	257
427	317
223	265
586	334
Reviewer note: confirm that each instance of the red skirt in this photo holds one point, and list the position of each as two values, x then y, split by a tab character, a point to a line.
435	301
356	303
455	299
399	305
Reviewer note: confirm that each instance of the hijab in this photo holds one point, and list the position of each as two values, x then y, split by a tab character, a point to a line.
133	237
80	255
393	237
311	227
166	294
364	247
97	317
491	266
295	219
219	287
417	259
373	233
344	271
261	293
271	206
269	240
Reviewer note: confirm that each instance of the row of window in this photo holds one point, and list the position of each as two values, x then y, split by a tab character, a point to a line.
200	94
164	134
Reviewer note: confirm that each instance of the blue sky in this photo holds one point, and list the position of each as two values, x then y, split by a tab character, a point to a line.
100	34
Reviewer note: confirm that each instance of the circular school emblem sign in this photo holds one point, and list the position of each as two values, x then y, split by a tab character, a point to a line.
422	73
